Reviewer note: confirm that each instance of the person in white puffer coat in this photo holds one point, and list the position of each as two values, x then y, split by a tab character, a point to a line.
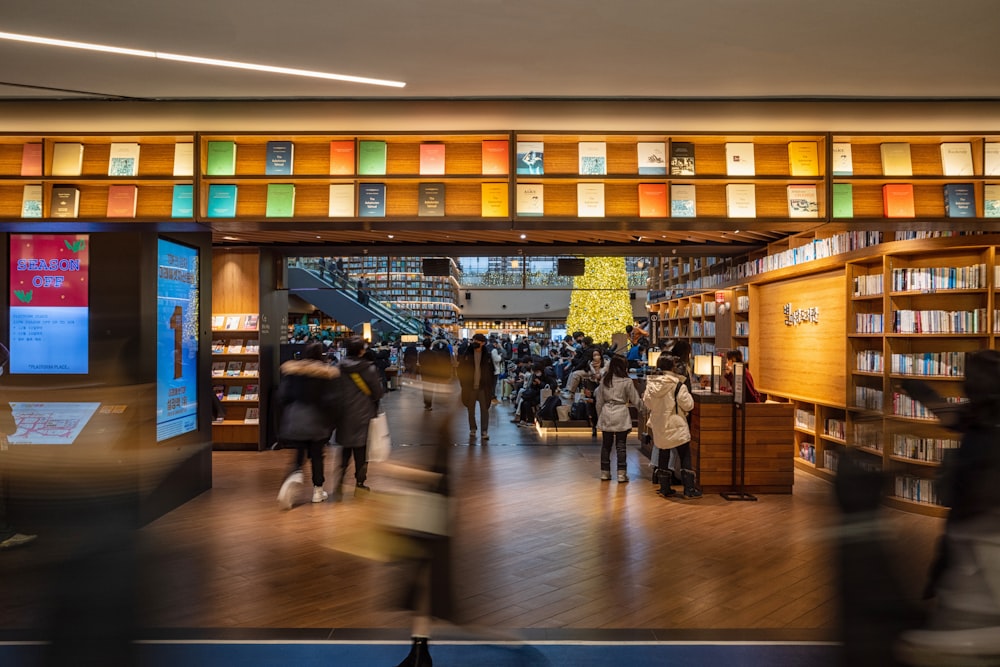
665	394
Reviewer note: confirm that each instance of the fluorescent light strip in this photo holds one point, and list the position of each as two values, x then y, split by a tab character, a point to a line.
47	41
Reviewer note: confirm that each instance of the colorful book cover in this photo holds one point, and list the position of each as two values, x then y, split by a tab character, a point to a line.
252	346
803	158
991	159
371	200
220	391
802	201
218	346
222	200
431	159
221	158
741	200
843	159
31	201
67	159
341	200
218	369
431	197
251	369
65	202
740	158
371	158
279	159
235	346
250	321
183	159
235	393
991	201
896	159
652	200
342	158
280	200
251	392
897	200
843	200
956	159
960	200
182	204
651	158
590	200
683	203
232	322
681	158
234	368
252	416
530	199
496	157
494	200
123	160
218	321
122	201
593	158
530	157
31	159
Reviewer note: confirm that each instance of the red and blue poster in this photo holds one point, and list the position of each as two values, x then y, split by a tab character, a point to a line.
49	303
177	307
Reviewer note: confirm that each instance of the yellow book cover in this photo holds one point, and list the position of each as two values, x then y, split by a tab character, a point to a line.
494	200
803	158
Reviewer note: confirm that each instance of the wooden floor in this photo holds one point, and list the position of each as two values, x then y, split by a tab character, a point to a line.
542	543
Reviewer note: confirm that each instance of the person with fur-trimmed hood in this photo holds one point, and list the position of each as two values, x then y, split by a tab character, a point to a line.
308	405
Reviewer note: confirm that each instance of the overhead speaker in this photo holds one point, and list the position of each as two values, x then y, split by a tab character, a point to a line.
571	266
436	266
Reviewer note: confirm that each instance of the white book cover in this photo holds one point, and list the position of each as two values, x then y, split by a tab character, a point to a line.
802	201
652	157
991	201
741	200
593	158
530	199
341	200
956	159
590	200
739	159
682	201
991	159
184	159
843	160
123	160
67	159
31	201
896	159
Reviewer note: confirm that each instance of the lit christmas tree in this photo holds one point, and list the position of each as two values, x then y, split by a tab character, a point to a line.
599	305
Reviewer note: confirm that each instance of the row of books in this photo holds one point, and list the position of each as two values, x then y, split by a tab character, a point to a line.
123	159
234	369
939	321
236	392
956	159
921	448
240	322
805	419
869	398
835	428
917	489
870	285
939	278
903	405
869	361
867	435
869	323
235	346
807	451
818	249
122	201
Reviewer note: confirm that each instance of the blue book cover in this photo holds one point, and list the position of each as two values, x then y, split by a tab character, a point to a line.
959	200
371	200
279	158
183	202
530	157
221	201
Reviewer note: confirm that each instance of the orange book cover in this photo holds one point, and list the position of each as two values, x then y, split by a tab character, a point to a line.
342	158
897	200
652	200
431	159
494	203
31	160
496	157
121	201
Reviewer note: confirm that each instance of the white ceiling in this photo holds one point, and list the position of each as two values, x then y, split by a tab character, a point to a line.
512	48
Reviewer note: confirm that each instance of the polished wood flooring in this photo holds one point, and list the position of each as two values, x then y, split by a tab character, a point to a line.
541	543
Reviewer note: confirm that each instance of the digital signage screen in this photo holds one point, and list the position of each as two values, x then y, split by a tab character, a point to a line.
177	308
49	304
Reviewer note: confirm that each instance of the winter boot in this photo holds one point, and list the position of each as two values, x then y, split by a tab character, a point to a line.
690	490
419	655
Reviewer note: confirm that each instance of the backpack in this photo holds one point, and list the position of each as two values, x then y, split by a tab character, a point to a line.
578	411
547	411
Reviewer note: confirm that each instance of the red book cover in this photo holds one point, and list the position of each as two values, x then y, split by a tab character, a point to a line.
342	158
31	160
897	200
49	270
652	200
496	157
121	201
431	159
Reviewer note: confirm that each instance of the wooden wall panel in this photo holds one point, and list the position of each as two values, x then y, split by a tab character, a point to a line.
807	360
235	281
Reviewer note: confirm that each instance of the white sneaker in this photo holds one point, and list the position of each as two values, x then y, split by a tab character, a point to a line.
290	489
622	476
605	475
319	495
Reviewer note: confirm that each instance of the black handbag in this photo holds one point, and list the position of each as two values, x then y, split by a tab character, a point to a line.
578	411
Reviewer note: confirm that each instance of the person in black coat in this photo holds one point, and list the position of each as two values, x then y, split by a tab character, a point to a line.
308	405
360	392
478	381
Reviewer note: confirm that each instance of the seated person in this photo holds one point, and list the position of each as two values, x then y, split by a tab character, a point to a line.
750	393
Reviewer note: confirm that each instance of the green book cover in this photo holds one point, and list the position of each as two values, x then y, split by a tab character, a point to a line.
280	200
221	158
371	158
843	200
